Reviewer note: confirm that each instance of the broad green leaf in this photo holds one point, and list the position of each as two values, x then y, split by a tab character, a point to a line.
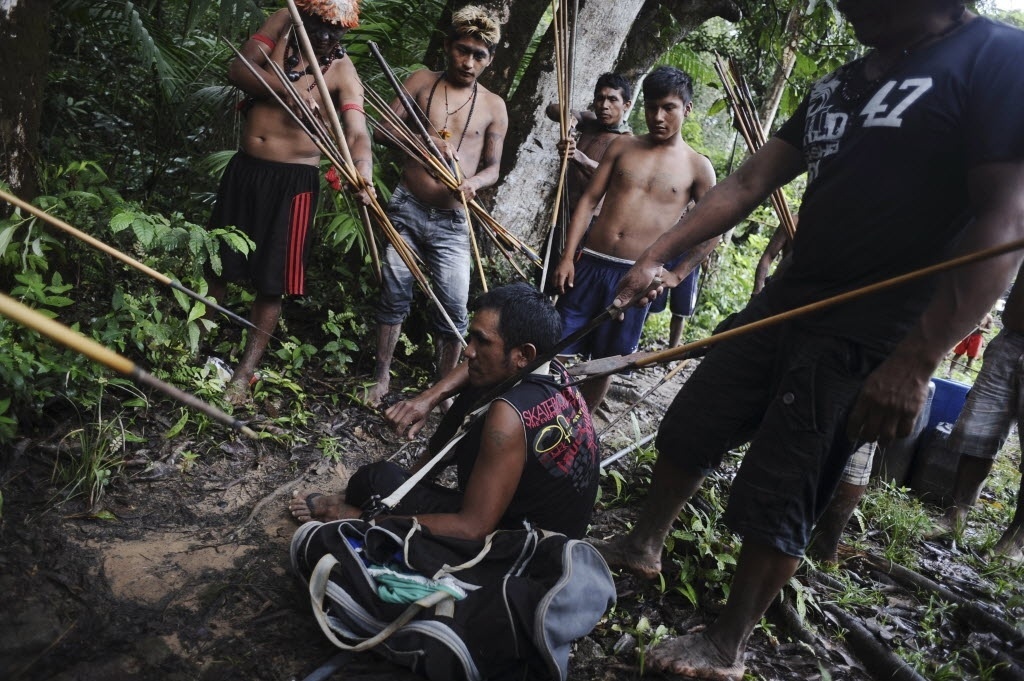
177	427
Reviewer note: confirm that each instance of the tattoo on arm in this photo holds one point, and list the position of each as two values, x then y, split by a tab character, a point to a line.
497	438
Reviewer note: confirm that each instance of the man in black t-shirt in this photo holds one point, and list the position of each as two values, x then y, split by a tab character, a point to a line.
532	457
913	155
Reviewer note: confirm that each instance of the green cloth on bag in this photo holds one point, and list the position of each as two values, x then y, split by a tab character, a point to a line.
394	586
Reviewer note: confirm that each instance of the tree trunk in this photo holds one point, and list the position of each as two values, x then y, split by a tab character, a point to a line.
661	25
784	67
24	53
610	36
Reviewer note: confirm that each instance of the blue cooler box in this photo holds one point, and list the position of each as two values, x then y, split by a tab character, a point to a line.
947	402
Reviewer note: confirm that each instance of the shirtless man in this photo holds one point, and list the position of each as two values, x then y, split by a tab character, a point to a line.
646	182
468	122
598	127
270	187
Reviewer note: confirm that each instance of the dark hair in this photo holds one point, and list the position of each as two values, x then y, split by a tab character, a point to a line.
525	316
668	80
615	82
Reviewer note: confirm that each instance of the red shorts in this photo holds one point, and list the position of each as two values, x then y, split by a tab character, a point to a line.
969	346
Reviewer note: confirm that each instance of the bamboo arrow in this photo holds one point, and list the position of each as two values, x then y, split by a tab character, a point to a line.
56	331
318	134
407	102
563	61
128	260
607	314
737	94
335	121
607	366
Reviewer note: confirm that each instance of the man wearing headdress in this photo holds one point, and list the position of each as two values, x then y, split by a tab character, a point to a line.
270	187
468	122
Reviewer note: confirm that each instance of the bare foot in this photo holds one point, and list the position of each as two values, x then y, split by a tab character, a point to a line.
237	393
306	506
694	656
375	394
620	553
1010	546
945	526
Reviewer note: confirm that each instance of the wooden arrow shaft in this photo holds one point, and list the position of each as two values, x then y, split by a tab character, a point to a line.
26	316
613	365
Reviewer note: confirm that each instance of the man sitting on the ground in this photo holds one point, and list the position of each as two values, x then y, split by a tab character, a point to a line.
533	456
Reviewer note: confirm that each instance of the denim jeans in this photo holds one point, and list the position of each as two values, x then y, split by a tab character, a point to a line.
440	237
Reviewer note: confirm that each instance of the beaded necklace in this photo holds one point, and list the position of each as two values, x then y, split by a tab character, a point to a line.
444	132
292	60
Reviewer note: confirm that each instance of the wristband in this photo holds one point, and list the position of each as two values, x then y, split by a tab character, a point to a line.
260	38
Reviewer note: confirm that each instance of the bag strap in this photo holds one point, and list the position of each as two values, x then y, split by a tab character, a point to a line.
318	582
447	569
392	500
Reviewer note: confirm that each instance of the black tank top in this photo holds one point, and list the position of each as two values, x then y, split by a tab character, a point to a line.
558	486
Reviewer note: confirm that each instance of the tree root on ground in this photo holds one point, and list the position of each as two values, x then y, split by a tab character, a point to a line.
970	611
880	661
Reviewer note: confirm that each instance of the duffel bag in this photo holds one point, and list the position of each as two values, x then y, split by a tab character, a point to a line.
508	607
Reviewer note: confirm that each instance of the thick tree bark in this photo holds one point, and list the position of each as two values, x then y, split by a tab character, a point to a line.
661	25
24	53
610	36
530	161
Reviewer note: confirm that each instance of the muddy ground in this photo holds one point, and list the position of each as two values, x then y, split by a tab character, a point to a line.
182	572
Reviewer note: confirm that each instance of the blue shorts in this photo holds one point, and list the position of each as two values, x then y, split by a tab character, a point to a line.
440	237
789	393
682	299
595	282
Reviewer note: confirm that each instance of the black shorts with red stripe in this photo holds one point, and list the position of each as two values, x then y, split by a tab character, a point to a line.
274	203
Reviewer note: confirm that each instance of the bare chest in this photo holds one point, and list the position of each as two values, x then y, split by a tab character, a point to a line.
665	178
458	116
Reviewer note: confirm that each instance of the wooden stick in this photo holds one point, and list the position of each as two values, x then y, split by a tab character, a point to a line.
472	233
664	379
123	257
311	126
335	121
880	661
968	609
56	331
613	365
